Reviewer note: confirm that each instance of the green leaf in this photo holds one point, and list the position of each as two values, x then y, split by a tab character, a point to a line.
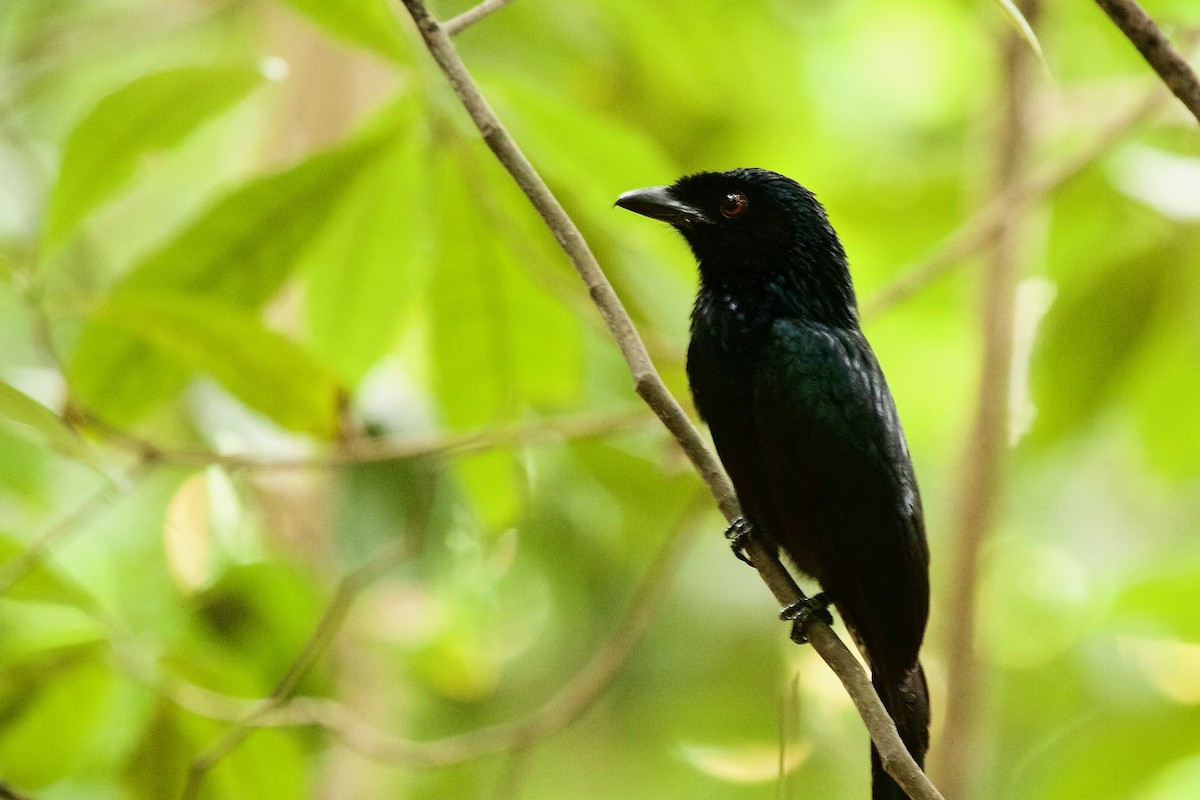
368	23
151	114
204	334
246	246
365	271
24	415
239	253
270	765
59	713
1091	338
527	347
1022	26
23	466
1164	601
41	583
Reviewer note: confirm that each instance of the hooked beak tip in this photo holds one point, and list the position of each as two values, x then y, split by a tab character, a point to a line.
657	202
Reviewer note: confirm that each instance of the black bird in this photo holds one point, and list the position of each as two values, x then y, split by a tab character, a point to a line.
803	419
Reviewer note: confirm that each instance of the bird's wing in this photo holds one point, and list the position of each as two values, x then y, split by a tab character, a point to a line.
841	484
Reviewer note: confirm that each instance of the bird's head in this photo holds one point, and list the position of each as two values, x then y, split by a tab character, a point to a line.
752	227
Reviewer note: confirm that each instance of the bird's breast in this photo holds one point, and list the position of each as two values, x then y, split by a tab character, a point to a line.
728	336
730	326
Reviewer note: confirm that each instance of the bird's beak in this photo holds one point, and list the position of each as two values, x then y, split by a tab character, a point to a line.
657	202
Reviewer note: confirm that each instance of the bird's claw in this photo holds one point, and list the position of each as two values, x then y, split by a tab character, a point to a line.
738	534
804	612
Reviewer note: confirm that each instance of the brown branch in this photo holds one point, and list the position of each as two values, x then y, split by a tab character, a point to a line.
653	391
1156	48
456	25
983	227
584	425
982	477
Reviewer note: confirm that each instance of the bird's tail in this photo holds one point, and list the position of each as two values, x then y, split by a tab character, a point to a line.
908	703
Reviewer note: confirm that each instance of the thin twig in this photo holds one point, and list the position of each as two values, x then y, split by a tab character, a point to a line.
982	476
558	712
584	425
456	25
327	627
1156	48
982	227
33	555
653	391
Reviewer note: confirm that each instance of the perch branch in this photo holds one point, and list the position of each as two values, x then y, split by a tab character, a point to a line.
653	391
1156	48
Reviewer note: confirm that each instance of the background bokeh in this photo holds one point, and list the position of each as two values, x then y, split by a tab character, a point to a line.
280	343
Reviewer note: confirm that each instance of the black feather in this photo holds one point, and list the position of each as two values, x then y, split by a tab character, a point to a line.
803	419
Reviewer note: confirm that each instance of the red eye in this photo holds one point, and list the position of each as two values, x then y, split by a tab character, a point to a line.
734	204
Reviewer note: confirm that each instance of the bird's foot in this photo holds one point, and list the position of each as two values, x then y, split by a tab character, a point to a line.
803	613
738	534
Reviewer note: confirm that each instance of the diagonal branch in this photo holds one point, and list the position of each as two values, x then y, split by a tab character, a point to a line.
456	25
653	391
1156	48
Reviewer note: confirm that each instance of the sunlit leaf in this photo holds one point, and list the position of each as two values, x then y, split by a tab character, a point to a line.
270	765
59	718
1022	581
239	253
42	582
526	344
203	334
1090	338
1022	26
491	480
589	159
23	464
1173	667
750	763
366	269
245	246
187	538
1160	390
1163	603
1179	781
152	113
254	620
368	23
22	414
166	748
1088	761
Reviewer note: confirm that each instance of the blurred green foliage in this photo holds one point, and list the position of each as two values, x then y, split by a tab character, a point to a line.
267	230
